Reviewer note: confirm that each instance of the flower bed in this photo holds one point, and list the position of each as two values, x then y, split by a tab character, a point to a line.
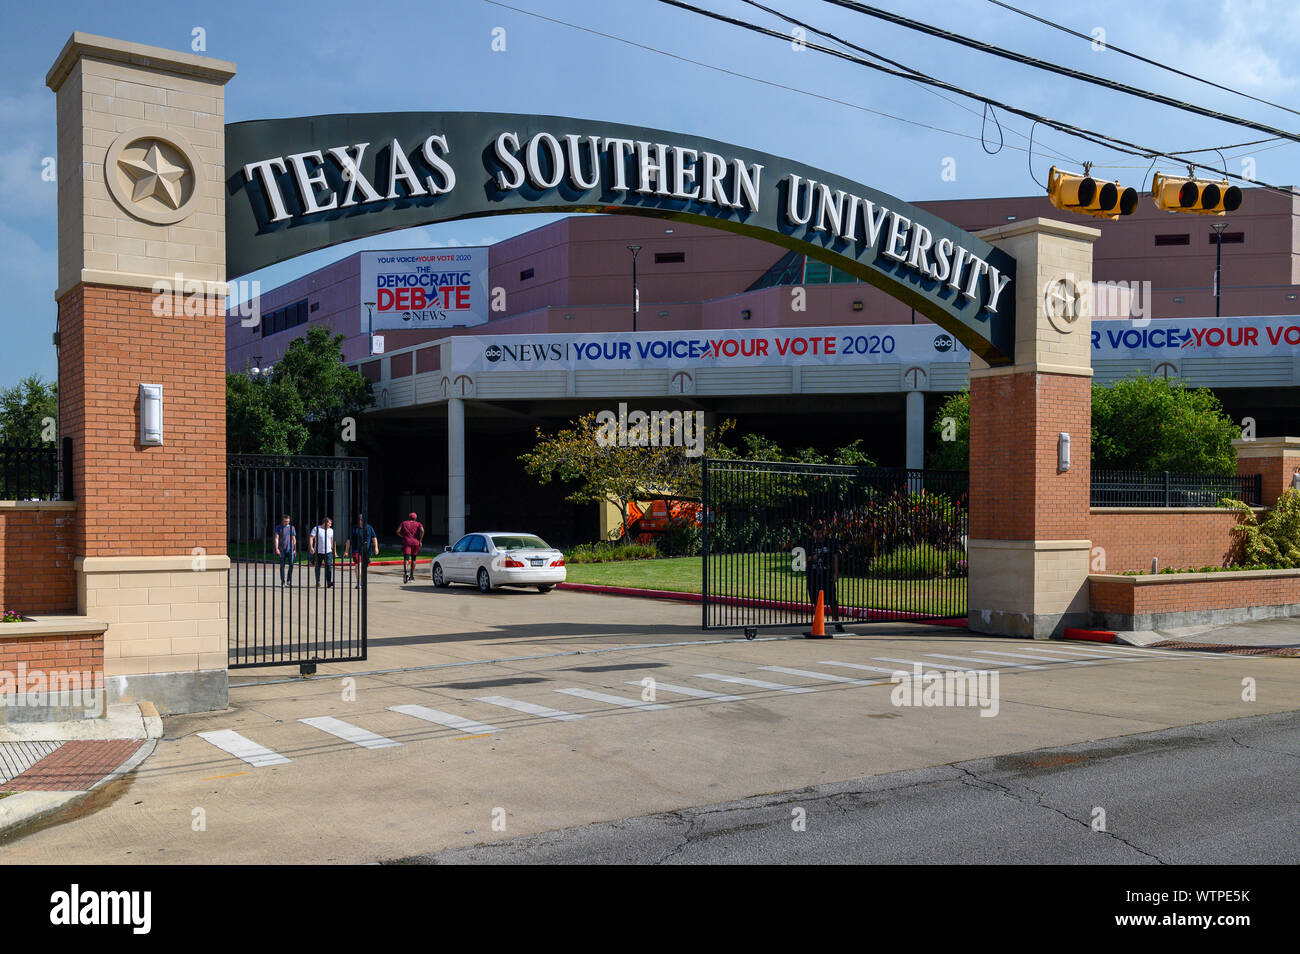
1167	600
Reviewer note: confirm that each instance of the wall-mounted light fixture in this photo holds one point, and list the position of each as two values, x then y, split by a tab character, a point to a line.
151	415
1063	452
746	315
857	306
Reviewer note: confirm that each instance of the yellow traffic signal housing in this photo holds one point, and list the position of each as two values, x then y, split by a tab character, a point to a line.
1202	196
1089	196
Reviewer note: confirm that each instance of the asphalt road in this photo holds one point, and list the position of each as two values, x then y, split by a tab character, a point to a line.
1218	793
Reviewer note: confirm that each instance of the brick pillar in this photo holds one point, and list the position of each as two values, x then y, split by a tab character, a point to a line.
1275	459
141	159
1028	546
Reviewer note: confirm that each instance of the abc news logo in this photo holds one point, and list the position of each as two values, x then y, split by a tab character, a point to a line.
944	343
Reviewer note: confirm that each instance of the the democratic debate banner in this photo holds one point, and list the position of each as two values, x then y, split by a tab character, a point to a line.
859	344
1197	337
421	288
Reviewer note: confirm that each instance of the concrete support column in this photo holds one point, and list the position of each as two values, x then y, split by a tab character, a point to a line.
455	469
1029	517
915	455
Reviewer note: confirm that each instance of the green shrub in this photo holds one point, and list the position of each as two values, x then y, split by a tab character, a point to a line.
1273	541
610	552
682	538
919	561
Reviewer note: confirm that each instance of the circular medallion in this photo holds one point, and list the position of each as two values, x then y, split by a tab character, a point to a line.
153	174
1065	301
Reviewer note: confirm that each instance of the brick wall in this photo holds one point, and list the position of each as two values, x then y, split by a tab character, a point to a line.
1179	538
36	554
1016	491
79	652
1194	592
111	337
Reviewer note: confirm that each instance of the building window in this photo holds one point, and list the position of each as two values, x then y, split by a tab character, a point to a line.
670	258
1230	238
526	274
1181	238
282	319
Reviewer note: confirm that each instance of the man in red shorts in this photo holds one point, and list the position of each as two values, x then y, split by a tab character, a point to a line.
411	532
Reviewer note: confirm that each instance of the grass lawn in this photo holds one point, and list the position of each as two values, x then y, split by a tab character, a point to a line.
768	576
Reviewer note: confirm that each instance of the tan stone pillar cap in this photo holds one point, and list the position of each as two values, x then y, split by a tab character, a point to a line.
134	54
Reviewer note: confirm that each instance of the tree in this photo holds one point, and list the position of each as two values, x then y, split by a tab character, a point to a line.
300	406
1152	424
951	428
618	472
1144	424
760	447
27	412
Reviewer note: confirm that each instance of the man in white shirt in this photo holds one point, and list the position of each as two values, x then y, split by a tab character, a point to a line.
322	550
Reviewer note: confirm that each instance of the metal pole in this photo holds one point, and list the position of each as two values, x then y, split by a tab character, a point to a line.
1218	262
636	299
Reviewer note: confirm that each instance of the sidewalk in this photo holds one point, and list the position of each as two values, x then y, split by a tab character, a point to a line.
47	767
1263	637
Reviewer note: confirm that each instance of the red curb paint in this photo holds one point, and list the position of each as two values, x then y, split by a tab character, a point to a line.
1091	635
861	615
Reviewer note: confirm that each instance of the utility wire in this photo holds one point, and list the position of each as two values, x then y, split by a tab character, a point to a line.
783	86
1142	59
1098	138
1033	61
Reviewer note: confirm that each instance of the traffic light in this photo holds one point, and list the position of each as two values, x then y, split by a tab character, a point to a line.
1089	196
1202	196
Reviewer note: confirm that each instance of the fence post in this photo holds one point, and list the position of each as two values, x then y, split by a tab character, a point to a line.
704	542
1257	485
1167	503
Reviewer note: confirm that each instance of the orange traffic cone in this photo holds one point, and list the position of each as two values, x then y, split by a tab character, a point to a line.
819	619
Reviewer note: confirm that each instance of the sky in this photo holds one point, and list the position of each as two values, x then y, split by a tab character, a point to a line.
707	78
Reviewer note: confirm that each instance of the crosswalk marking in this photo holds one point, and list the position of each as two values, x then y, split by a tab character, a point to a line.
468	726
690	691
935	665
530	708
1063	662
825	676
986	661
849	665
756	683
611	700
350	733
1134	651
1073	652
247	750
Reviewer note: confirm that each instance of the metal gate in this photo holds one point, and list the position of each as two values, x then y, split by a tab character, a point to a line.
879	544
285	611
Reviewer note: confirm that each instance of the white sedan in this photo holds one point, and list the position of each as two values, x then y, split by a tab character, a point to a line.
490	560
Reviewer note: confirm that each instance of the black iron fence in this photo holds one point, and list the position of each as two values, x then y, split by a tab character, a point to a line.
286	604
1131	488
36	472
875	543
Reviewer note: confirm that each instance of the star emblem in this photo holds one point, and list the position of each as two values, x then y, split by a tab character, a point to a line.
154	175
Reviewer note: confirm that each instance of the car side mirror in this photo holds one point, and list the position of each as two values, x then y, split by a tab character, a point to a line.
447	548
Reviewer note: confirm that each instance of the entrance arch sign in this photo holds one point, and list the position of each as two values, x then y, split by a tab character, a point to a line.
298	185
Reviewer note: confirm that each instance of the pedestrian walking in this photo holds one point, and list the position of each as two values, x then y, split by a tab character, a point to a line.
362	543
323	552
411	532
286	548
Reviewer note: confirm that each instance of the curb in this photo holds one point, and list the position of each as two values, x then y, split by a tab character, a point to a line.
855	615
1091	635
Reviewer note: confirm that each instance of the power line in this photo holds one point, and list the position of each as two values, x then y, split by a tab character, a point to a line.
1098	138
776	85
1113	85
1142	59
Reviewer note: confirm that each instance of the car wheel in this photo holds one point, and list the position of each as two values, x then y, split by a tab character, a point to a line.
545	587
438	578
484	581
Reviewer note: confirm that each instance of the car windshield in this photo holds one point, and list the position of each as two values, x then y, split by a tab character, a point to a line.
519	542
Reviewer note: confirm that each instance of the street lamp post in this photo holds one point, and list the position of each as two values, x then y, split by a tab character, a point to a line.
1218	261
636	299
370	328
